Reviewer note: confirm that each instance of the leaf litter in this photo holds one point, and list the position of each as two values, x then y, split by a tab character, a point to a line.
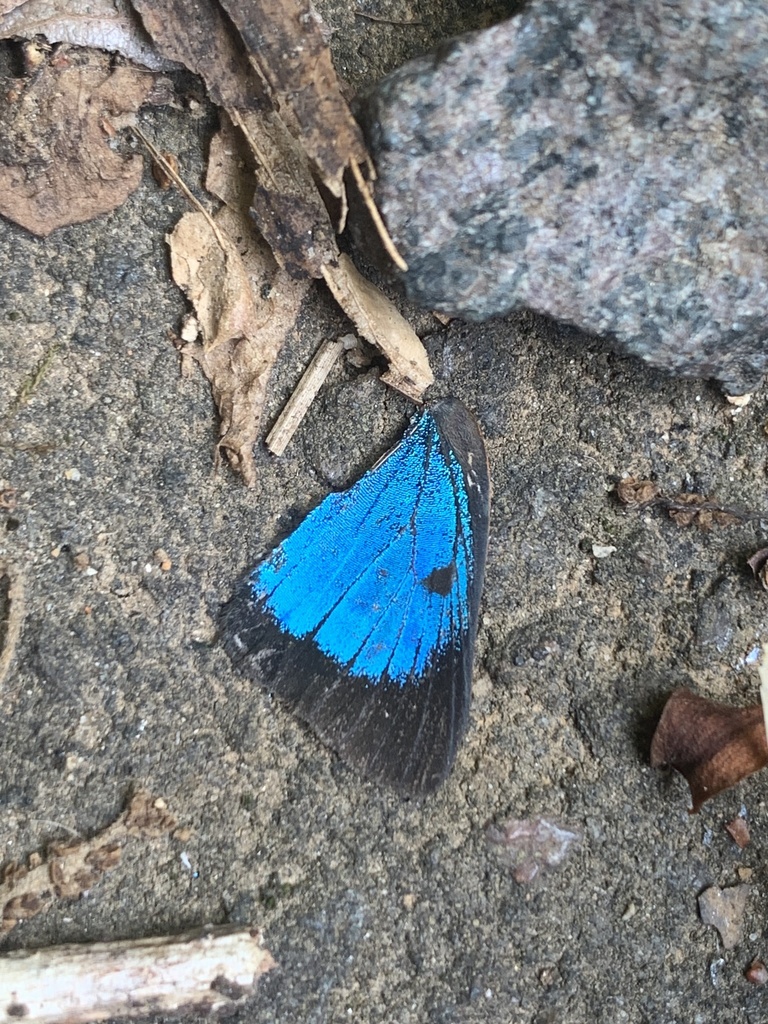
70	868
103	24
712	745
270	69
267	64
58	166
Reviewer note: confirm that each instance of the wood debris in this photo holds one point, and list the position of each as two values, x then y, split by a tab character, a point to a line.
197	973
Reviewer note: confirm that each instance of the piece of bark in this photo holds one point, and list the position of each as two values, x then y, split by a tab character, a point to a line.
285	43
379	322
102	24
200	36
712	745
197	973
245	305
70	868
58	167
596	163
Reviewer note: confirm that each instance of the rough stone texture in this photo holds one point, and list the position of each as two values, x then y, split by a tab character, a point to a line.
601	163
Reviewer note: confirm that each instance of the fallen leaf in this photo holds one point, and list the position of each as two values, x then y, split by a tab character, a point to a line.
71	868
102	24
712	745
724	909
58	167
529	846
245	305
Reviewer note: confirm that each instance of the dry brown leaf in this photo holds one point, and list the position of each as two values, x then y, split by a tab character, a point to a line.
683	509
379	322
103	24
285	42
242	331
58	168
712	745
73	867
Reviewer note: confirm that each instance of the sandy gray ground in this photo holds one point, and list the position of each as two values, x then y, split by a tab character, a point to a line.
377	909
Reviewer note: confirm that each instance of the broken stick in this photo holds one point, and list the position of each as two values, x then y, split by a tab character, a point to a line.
204	972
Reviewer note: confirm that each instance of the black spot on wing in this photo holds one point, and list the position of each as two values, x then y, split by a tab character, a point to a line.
440	581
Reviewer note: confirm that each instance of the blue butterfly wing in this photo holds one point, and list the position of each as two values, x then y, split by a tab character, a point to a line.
364	619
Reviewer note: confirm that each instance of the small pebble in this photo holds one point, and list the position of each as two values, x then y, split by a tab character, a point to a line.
757	973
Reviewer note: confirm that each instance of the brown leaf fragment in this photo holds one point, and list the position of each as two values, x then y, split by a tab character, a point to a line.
58	167
634	491
285	43
695	509
724	909
683	509
73	867
757	973
379	322
712	745
200	36
246	307
530	846
286	205
102	24
738	830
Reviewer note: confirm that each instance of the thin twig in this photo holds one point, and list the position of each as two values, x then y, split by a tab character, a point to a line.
158	157
296	407
381	227
386	21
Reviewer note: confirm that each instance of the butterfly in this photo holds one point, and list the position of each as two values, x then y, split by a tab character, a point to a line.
364	619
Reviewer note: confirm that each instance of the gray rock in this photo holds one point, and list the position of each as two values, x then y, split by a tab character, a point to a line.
600	163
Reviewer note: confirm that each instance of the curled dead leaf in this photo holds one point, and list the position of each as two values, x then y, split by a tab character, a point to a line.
712	745
245	305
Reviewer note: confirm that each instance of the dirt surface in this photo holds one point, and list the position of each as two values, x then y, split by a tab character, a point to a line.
376	909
